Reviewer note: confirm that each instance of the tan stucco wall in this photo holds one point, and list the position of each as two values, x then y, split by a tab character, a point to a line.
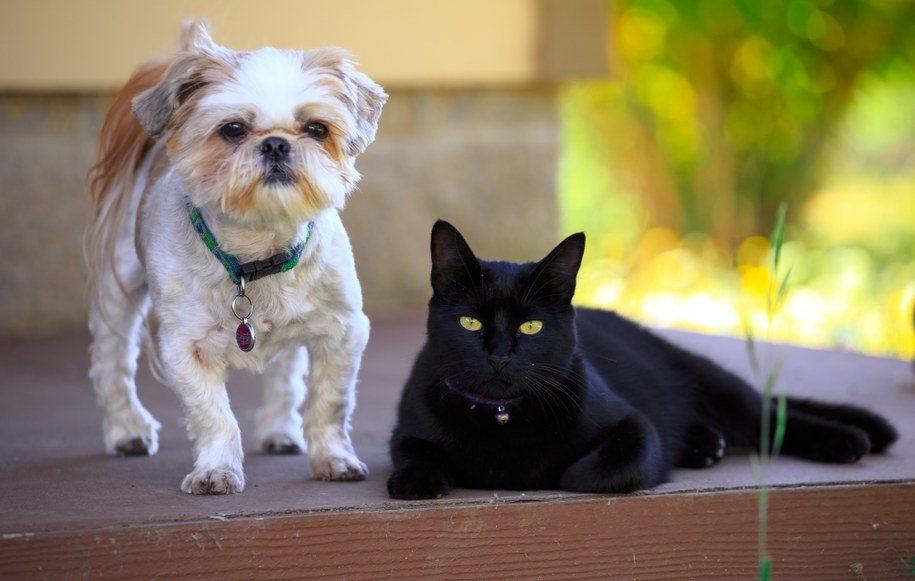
94	44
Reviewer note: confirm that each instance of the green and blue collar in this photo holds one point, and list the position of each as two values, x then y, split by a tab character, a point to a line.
244	272
280	262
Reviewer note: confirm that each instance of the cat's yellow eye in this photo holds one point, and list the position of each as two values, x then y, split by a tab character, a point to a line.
531	327
471	324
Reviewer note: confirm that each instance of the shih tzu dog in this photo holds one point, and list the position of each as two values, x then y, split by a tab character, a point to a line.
217	237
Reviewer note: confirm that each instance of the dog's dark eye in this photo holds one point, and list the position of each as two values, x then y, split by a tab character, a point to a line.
233	131
316	131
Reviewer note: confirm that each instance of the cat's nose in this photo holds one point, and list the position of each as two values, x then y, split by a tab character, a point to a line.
498	362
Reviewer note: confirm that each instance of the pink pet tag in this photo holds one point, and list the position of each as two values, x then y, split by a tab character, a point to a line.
244	336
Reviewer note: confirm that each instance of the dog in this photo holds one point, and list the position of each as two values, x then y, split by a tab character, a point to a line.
217	244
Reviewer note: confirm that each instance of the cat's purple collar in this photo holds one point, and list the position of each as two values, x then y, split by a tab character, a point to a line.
478	399
501	405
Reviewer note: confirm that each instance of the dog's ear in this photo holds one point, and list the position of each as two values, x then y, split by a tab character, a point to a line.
195	37
369	98
185	75
363	97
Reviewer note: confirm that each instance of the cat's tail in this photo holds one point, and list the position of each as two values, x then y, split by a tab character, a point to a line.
826	419
814	430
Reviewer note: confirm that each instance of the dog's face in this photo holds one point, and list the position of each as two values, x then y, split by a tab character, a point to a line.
270	135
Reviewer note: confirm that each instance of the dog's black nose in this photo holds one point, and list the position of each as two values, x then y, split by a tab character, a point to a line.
275	148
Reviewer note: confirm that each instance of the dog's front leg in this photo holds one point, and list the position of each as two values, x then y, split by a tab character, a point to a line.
200	384
334	358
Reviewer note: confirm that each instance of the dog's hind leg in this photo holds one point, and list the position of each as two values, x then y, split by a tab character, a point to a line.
334	360
115	320
279	421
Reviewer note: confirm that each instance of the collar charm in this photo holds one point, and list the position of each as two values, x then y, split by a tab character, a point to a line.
501	405
244	334
240	273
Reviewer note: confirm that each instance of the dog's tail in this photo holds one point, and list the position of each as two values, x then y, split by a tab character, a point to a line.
123	145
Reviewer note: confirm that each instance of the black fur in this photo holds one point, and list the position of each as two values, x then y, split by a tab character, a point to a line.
594	402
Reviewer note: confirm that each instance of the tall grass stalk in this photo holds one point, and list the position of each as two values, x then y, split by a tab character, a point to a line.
767	373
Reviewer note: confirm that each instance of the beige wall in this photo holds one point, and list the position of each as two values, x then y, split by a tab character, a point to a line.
94	44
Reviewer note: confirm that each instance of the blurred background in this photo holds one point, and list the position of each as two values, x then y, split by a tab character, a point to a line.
670	132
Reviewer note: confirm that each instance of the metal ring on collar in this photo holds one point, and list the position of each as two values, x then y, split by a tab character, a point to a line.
236	305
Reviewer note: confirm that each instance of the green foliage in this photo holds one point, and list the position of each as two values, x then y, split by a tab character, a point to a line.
733	101
712	114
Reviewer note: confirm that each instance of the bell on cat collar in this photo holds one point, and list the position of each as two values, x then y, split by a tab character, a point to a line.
502	415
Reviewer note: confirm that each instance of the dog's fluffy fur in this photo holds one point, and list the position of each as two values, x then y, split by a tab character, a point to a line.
163	142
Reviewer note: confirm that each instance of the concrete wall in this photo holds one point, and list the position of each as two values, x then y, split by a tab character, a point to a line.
483	159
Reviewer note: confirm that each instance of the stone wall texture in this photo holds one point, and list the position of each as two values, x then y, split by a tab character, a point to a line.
484	160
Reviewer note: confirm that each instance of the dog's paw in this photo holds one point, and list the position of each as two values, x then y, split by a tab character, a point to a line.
338	467
217	481
136	446
282	444
137	437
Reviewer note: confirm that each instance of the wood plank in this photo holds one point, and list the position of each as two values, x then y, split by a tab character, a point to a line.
828	532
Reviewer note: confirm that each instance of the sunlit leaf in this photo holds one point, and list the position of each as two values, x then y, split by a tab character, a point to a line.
782	288
778	234
750	344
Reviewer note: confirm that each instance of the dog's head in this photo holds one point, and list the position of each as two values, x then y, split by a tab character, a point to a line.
269	135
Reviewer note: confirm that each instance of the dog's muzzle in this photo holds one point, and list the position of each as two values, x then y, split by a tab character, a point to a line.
276	154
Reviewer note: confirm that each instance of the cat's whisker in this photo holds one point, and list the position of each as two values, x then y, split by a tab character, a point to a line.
552	392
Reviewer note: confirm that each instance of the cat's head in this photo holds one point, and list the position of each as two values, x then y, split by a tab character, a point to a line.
501	329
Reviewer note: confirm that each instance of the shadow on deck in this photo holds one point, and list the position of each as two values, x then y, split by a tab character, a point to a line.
70	512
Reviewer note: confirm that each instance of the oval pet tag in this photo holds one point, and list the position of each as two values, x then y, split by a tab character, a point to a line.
244	336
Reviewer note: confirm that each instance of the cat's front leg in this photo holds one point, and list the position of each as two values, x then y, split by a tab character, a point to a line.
627	457
419	471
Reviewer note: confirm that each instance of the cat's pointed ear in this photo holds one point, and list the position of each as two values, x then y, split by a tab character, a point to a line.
559	269
452	259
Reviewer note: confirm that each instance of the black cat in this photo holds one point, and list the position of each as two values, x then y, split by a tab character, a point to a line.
516	389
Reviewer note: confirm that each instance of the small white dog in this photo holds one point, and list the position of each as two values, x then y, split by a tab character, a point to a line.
217	194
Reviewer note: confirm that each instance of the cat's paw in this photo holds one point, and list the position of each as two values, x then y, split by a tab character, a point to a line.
703	447
418	483
627	458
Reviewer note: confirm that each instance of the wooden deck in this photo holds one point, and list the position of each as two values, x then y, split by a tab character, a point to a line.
67	511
